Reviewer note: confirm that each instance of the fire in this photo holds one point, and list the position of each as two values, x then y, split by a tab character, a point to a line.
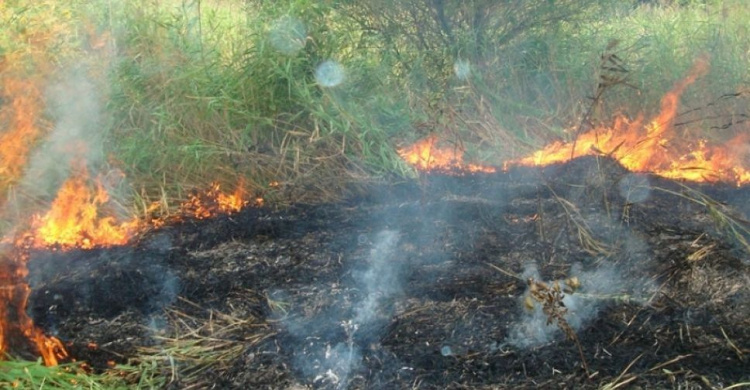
655	147
15	325
78	218
426	155
18	112
213	201
75	220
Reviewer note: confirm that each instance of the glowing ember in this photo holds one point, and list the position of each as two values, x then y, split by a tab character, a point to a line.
655	147
212	202
426	155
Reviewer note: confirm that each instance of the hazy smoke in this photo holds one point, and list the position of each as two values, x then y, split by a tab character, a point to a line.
76	137
380	279
332	361
599	287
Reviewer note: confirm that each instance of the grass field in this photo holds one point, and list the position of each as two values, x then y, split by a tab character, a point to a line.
187	92
302	99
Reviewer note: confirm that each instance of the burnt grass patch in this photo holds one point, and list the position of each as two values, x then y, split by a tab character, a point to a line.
422	284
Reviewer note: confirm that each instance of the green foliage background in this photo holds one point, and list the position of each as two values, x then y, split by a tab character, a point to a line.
197	91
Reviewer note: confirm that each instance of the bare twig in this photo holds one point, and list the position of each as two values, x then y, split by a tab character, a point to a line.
619	382
552	305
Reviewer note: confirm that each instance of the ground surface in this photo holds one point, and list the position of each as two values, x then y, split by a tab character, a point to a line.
423	285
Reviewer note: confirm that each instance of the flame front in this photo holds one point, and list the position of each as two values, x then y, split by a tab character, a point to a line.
77	218
426	155
18	113
74	219
16	327
655	147
213	201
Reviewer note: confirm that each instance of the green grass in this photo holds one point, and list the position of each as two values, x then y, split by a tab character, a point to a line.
545	79
20	374
200	94
196	92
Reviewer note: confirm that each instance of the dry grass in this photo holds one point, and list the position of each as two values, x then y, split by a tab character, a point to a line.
583	231
551	299
725	219
196	346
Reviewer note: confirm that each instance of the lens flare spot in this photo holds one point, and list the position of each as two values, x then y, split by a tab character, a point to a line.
329	74
288	35
462	69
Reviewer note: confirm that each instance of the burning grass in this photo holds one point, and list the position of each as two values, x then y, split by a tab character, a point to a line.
74	221
276	298
253	108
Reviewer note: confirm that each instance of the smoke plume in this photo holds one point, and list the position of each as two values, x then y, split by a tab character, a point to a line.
600	286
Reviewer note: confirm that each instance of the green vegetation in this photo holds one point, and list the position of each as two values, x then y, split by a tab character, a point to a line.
21	374
199	91
216	90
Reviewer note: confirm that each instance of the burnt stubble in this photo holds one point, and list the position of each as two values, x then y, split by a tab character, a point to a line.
403	286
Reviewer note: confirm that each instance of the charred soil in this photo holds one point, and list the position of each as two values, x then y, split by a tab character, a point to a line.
423	285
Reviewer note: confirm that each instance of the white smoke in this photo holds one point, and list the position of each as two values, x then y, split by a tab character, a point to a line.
599	287
380	279
76	138
331	362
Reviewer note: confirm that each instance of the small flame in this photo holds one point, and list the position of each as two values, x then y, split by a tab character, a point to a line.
75	220
18	112
425	155
212	202
655	147
15	324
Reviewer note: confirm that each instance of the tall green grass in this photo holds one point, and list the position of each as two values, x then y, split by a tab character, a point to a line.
198	91
202	94
544	81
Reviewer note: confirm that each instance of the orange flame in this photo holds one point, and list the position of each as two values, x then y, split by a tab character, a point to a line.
655	147
425	155
18	113
213	201
15	324
74	219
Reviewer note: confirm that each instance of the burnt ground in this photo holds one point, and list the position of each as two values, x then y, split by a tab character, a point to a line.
422	285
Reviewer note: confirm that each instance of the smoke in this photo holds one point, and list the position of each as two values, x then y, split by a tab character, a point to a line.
598	287
76	138
323	355
380	279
